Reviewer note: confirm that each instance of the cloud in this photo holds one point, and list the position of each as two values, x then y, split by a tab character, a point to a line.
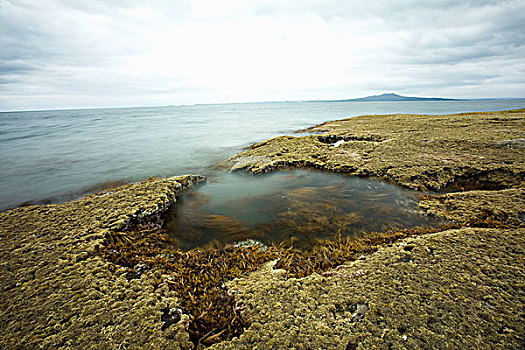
60	53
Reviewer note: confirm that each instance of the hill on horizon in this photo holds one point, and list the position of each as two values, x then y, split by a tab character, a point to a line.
389	97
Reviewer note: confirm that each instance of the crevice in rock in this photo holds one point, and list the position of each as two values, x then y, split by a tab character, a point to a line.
332	138
490	180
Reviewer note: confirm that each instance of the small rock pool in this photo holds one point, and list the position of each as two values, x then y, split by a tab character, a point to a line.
294	206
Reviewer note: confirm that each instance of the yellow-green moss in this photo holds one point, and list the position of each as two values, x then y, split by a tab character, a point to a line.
426	152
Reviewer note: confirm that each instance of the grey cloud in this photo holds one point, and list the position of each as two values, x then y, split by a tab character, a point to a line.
443	31
118	8
31	40
460	80
74	48
391	11
469	35
18	40
16	67
5	80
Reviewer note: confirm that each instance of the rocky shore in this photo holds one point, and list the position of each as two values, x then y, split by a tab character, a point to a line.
64	283
456	289
57	292
461	151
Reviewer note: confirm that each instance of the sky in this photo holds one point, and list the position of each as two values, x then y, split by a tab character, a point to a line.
57	54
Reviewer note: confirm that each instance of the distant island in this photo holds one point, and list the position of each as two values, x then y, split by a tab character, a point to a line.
389	98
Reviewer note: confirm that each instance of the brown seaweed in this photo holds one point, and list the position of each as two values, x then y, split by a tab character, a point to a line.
198	275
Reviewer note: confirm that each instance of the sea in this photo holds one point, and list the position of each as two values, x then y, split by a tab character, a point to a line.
56	155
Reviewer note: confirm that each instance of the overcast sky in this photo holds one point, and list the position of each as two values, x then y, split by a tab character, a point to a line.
98	53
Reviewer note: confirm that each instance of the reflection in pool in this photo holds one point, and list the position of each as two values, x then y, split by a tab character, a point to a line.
296	206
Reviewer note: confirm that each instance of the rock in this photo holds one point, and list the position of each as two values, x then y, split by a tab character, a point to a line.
67	297
466	150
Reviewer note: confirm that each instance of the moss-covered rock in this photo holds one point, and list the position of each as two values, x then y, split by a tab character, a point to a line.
457	289
477	208
57	292
425	152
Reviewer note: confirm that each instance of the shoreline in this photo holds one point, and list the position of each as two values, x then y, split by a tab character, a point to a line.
404	149
58	291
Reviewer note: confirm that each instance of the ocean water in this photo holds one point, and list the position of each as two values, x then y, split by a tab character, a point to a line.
52	156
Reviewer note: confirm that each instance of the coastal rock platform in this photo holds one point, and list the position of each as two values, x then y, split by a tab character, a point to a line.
425	152
460	288
57	292
457	289
435	291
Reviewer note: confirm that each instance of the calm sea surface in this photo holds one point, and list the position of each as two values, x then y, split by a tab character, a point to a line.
51	156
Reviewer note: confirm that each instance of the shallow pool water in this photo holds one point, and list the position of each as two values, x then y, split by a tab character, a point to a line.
297	206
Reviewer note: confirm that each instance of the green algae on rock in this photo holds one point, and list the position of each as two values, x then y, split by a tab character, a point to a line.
457	289
57	292
505	208
425	152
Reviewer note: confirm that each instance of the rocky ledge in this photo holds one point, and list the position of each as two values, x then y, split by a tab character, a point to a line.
425	152
56	291
457	289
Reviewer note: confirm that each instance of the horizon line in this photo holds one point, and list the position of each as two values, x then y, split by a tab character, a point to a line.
445	99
